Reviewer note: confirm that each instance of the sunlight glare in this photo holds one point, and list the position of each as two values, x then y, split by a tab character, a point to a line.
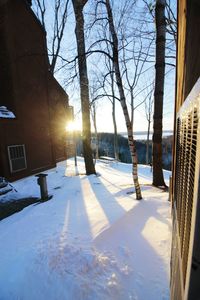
71	126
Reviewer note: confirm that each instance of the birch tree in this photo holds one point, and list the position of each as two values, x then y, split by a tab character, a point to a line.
116	65
134	52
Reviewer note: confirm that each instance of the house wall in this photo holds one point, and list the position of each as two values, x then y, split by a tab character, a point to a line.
187	74
6	87
188	53
192	56
180	53
58	103
34	96
192	74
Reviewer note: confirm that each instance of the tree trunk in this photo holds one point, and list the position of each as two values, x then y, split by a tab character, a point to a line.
132	106
84	89
158	178
96	132
116	146
123	100
147	150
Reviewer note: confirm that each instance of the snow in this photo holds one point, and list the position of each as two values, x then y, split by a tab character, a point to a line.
5	113
192	100
92	240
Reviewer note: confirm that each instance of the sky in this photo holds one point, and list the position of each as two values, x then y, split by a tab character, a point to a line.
78	246
104	109
104	117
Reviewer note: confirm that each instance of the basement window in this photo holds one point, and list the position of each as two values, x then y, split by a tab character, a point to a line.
17	158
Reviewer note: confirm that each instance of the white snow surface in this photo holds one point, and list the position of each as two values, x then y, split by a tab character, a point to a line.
92	240
5	113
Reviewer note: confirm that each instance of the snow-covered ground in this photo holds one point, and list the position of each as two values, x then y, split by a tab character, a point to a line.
92	240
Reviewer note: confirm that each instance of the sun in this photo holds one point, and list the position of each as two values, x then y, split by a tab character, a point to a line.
72	126
69	126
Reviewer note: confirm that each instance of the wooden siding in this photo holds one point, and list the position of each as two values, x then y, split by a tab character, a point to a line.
185	259
180	53
188	50
37	100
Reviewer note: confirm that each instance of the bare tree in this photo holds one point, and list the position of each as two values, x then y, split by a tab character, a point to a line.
112	98
133	67
113	101
162	13
171	28
115	58
58	31
171	20
148	113
93	110
158	178
40	9
59	19
135	54
105	87
78	6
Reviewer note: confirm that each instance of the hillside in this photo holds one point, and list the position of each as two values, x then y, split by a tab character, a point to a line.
106	148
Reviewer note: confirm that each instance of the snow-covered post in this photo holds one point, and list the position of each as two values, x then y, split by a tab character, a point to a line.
42	182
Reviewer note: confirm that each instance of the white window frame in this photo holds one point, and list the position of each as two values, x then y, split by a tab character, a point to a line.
11	159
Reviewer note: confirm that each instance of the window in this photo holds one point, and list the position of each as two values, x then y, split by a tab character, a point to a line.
17	158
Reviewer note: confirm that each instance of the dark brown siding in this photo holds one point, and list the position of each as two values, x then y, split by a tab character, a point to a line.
185	259
192	58
35	97
6	88
58	113
188	54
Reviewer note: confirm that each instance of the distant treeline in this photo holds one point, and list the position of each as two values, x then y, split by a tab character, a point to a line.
106	148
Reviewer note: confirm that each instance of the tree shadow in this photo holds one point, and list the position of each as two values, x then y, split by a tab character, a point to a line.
75	215
131	190
128	188
107	201
129	241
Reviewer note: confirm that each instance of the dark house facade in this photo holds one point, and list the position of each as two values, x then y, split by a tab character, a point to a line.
36	138
185	258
